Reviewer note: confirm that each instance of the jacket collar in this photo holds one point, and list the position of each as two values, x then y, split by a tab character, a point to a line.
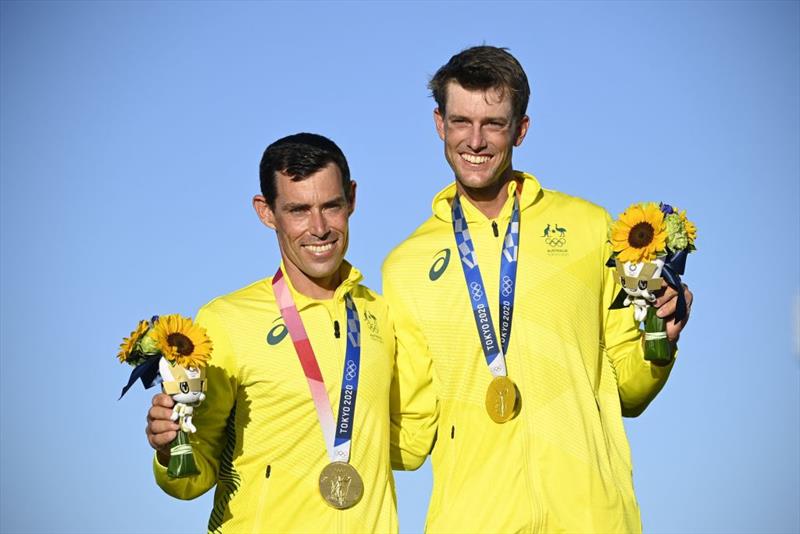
531	191
350	279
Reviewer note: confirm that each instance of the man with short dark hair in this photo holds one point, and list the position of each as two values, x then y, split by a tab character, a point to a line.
501	307
288	350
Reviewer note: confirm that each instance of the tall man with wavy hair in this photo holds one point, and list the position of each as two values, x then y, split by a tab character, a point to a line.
500	301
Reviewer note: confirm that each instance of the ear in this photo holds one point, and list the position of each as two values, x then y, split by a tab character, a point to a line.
351	198
263	211
522	129
438	119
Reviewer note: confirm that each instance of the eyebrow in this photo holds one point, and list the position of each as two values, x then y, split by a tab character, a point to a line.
488	119
299	205
295	205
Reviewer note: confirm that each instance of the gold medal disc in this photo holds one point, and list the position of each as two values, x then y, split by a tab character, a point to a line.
501	399
340	485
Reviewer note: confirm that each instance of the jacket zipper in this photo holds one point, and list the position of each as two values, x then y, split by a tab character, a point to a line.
531	478
537	519
262	499
537	509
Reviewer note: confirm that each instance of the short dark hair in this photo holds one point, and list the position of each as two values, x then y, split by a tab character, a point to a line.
483	67
300	155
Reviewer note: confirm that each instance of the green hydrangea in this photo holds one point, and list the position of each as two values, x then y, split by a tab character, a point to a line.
677	238
148	345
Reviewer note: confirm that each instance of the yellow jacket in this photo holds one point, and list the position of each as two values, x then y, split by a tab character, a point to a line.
258	436
563	464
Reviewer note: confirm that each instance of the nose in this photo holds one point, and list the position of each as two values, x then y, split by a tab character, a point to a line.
476	142
318	225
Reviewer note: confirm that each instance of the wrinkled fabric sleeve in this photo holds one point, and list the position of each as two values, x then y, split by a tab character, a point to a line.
210	417
414	408
638	380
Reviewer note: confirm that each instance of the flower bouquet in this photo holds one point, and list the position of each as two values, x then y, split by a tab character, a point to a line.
174	351
650	242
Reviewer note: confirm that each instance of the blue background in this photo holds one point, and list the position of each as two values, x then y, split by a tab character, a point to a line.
130	139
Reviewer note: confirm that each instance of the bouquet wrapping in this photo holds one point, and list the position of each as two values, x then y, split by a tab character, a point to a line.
650	243
173	351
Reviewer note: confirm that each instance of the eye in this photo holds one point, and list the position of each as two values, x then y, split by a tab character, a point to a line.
334	207
642	284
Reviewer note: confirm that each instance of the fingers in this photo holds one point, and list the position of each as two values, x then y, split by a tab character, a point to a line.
161	441
665	294
667	305
689	297
159	436
668	309
160	429
674	329
667	302
162	399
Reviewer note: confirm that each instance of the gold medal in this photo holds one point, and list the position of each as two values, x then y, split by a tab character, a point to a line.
501	399
340	485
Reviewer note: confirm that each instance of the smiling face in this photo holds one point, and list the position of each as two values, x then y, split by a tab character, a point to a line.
479	135
310	217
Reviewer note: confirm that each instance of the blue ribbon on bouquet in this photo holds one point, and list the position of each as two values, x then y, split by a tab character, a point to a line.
671	273
673	268
147	372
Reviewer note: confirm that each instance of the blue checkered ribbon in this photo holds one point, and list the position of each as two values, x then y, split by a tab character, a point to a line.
493	352
352	365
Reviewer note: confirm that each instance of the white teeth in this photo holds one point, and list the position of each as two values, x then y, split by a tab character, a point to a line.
317	249
476	159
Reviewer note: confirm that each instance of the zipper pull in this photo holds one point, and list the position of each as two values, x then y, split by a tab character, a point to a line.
494	229
336	329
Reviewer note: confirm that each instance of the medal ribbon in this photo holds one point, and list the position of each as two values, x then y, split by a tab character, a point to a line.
494	352
337	437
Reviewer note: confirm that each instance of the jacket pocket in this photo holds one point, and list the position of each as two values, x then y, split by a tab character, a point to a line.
443	457
606	445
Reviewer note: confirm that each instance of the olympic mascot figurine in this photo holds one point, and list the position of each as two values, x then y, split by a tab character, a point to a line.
187	388
640	281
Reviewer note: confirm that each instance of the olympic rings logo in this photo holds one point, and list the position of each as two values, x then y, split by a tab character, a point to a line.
351	370
507	286
477	291
555	241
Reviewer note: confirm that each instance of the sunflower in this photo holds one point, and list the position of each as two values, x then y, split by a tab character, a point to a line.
182	341
639	233
691	229
128	346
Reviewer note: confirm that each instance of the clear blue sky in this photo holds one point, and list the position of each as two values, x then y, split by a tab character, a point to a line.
130	135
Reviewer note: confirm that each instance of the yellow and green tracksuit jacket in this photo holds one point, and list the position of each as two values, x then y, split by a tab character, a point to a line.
563	464
259	440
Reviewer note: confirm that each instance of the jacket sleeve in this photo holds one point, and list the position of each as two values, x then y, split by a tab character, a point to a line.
414	408
638	380
210	417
